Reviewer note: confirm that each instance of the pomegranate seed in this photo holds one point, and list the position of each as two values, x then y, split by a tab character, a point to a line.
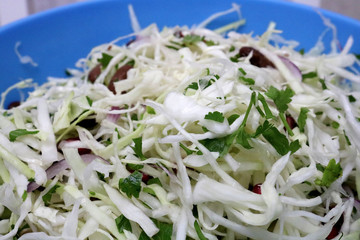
257	188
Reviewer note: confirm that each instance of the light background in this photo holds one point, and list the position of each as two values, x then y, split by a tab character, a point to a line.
11	10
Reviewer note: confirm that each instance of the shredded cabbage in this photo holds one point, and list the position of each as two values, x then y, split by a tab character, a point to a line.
187	133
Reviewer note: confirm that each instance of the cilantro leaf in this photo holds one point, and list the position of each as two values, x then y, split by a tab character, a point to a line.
191	39
131	185
232	118
47	197
294	146
243	137
242	71
143	236
268	113
232	48
165	230
150	110
278	140
357	56
106	58
198	231
138	148
24	195
281	98
309	75
154	181
248	81
187	150
20	132
122	223
302	118
215	116
215	144
331	173
352	98
89	100
193	85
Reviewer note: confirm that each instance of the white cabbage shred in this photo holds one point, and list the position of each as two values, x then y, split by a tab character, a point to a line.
176	148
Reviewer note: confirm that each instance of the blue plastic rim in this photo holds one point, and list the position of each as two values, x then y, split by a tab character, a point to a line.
56	39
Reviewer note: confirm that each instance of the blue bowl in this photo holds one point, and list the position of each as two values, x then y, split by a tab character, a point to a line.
56	39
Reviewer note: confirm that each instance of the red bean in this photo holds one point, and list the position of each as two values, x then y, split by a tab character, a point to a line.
120	74
291	121
257	58
13	104
94	73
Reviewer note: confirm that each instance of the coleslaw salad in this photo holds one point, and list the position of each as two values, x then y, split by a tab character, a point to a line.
184	133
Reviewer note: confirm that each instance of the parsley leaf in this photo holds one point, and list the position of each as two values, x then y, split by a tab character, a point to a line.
331	172
191	39
20	132
242	71
106	58
198	231
309	75
89	100
47	197
193	85
154	181
268	113
165	230
232	118
248	81
352	98
24	195
215	144
187	150
243	137
138	148
143	236
281	98
131	185
150	110
215	116
278	140
122	223
302	118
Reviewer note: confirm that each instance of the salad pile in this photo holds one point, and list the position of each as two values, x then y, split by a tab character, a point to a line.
184	133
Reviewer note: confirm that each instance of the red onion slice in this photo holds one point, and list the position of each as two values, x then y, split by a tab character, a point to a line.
292	67
60	166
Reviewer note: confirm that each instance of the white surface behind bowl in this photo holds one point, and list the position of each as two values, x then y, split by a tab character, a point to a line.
11	10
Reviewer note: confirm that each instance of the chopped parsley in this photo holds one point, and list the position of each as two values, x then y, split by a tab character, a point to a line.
24	195
198	231
302	118
352	98
47	197
105	60
215	116
330	174
13	135
165	230
131	185
281	99
191	39
122	223
278	140
138	148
